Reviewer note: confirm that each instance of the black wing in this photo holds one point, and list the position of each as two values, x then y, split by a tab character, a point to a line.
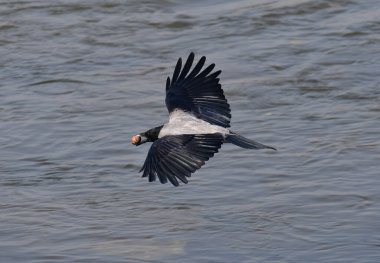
198	92
178	156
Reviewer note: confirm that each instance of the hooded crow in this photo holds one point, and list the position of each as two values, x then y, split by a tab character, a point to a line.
199	121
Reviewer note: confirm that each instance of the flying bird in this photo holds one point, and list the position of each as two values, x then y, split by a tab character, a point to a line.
199	121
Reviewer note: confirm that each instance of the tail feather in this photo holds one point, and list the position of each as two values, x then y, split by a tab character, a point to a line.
246	143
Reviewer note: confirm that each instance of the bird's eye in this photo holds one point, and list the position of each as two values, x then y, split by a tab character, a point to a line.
136	139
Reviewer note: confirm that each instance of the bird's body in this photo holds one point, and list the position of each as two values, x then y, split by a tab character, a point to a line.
181	122
199	121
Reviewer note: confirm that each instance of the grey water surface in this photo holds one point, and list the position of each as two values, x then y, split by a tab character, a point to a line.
79	78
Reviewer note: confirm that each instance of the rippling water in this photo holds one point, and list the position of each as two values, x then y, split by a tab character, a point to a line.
78	78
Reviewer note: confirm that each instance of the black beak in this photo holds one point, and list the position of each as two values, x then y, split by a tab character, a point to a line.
138	139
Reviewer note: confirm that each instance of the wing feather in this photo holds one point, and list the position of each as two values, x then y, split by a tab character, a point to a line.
178	156
198	92
177	70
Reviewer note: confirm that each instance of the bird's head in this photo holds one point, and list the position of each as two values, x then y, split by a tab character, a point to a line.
148	136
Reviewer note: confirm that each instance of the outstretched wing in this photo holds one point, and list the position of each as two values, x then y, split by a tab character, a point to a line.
178	156
198	92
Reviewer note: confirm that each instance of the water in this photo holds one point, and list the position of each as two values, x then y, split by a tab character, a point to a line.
77	79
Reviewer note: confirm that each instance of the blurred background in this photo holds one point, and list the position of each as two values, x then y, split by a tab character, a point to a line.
79	78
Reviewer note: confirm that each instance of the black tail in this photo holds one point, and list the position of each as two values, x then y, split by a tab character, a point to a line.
245	143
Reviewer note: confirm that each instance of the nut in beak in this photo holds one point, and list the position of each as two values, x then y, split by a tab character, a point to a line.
136	139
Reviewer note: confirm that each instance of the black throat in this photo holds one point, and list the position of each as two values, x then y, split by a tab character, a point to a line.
152	134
